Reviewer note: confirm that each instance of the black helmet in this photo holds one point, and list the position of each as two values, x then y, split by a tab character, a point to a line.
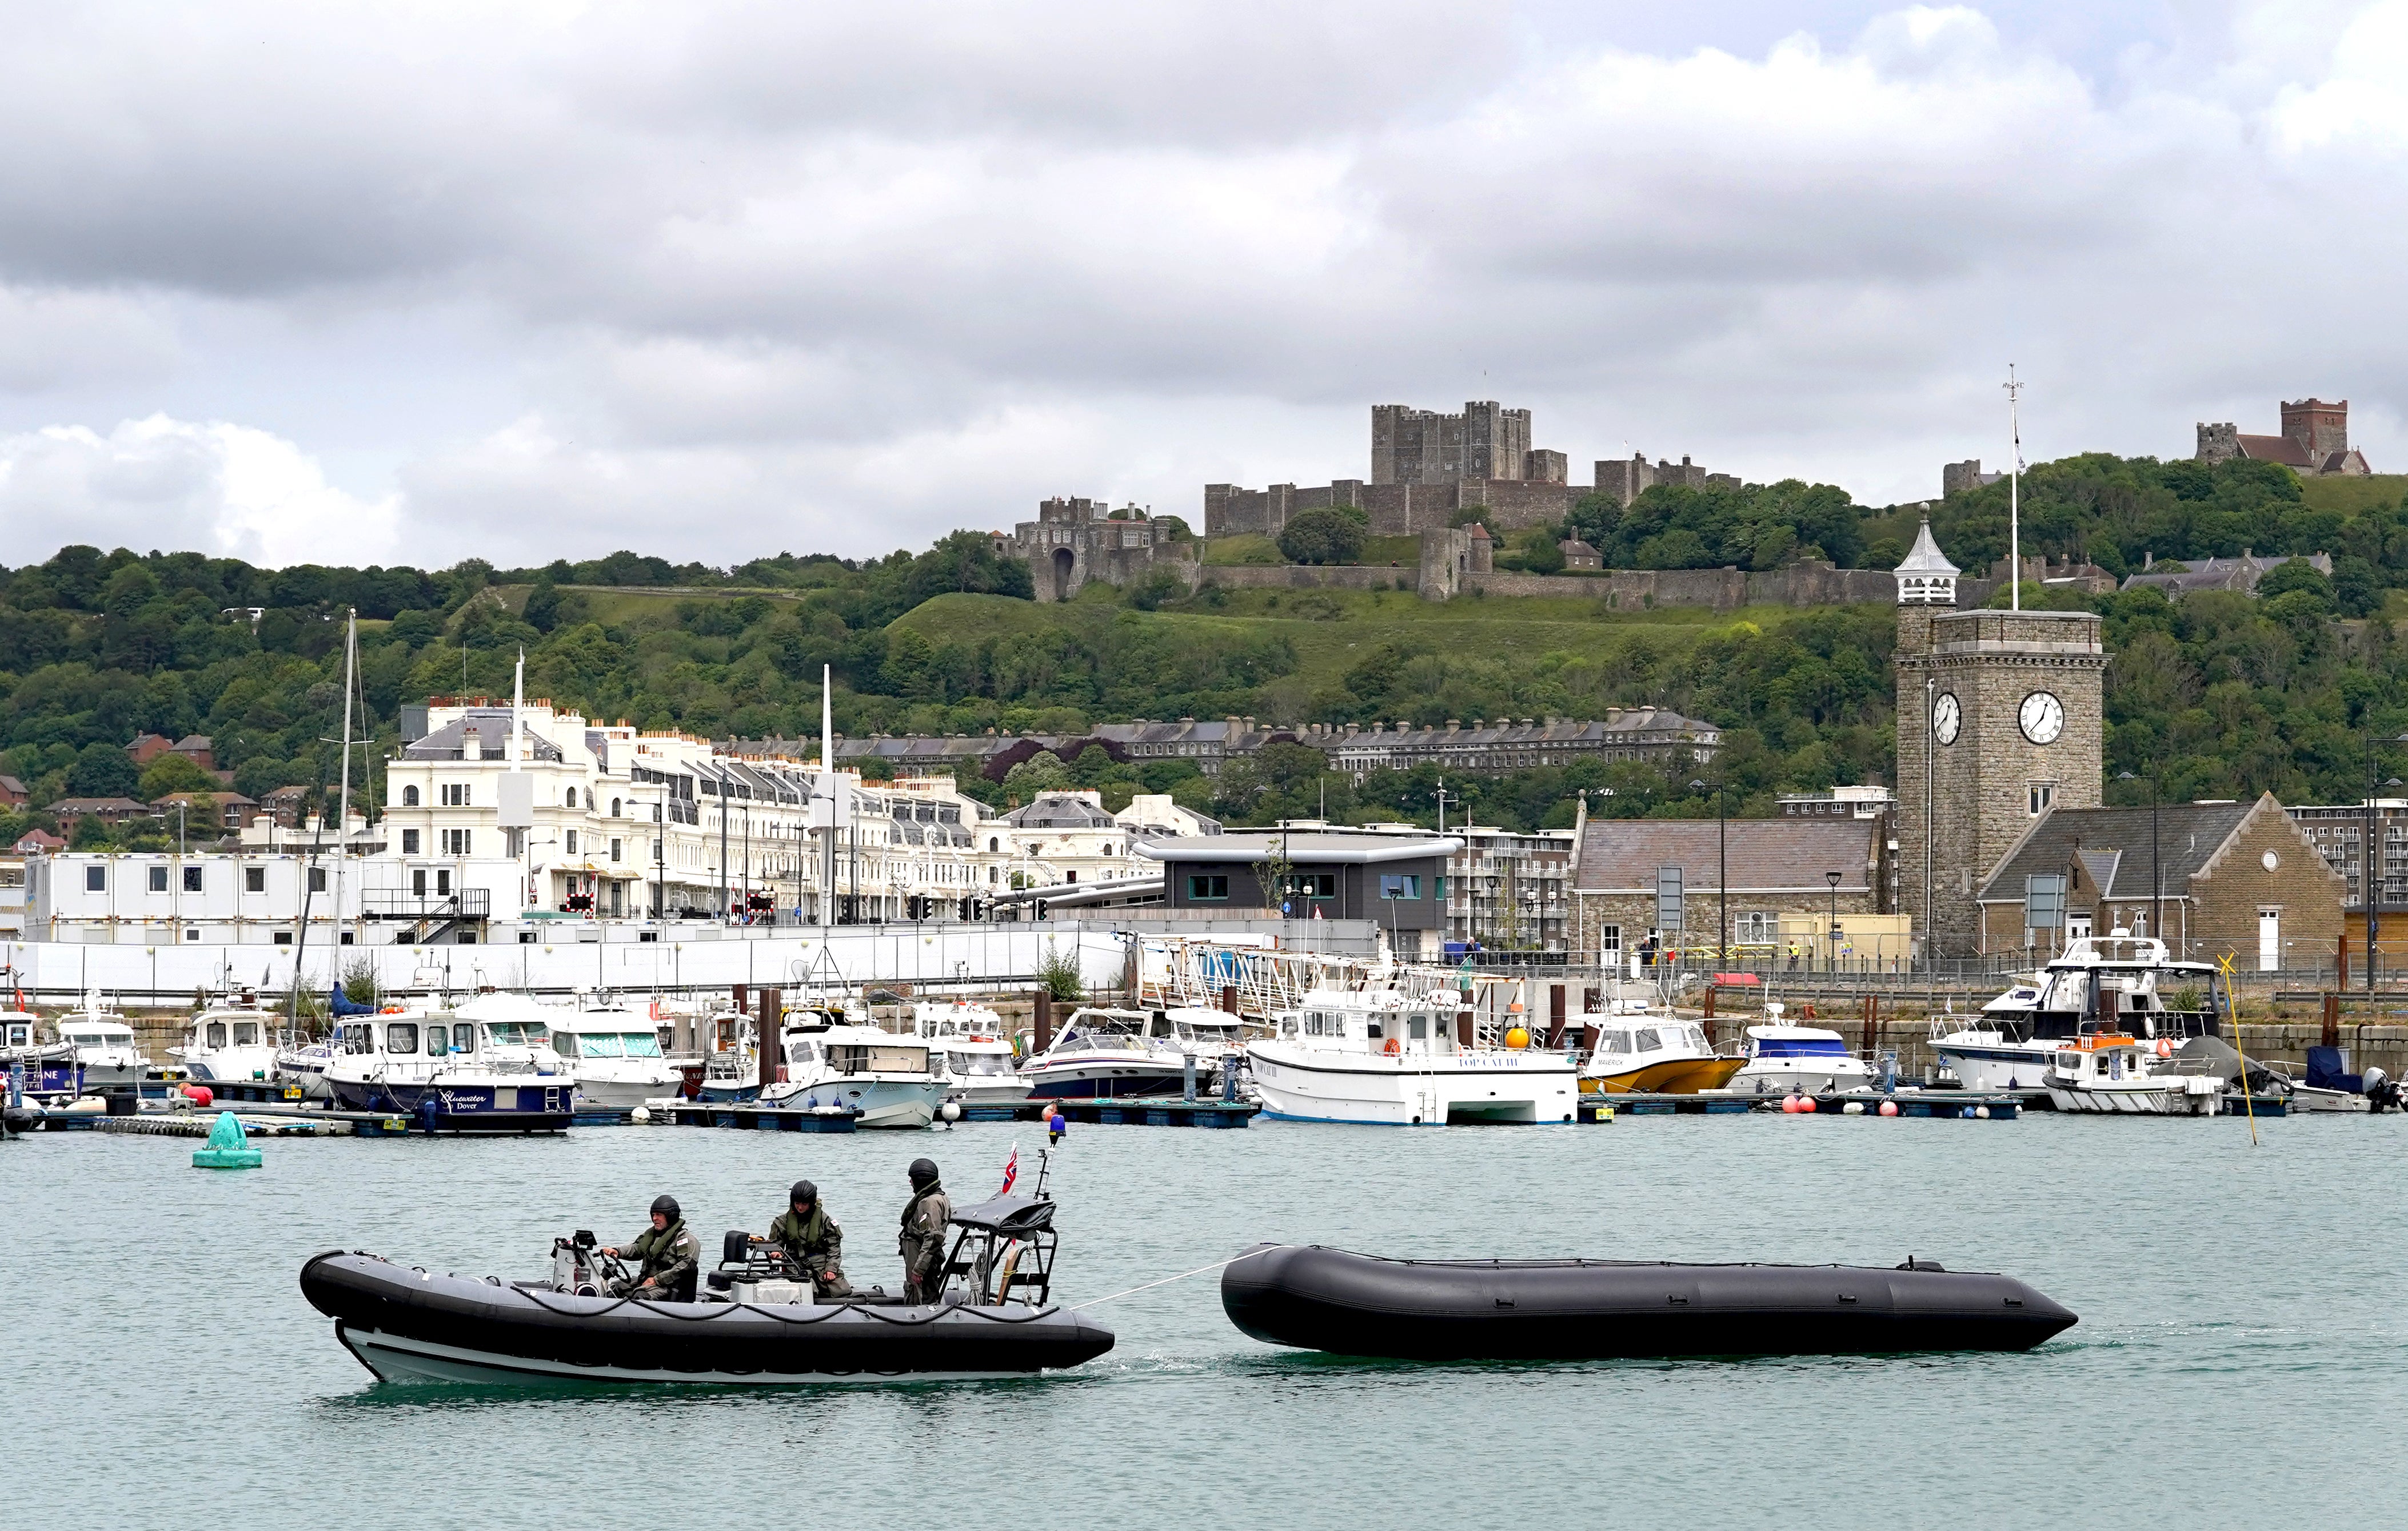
804	1193
923	1173
665	1206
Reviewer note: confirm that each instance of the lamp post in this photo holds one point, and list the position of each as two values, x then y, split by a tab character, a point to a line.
1722	866
2370	876
1831	963
2157	878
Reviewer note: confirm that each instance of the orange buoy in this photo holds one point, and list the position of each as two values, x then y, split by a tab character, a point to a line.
1516	1036
1805	1106
1890	1108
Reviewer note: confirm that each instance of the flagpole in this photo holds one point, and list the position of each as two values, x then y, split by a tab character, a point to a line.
2014	497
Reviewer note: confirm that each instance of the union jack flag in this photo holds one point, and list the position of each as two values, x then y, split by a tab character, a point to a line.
1011	1171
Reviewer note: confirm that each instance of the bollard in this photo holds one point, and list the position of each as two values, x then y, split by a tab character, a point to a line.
1187	1077
1229	1077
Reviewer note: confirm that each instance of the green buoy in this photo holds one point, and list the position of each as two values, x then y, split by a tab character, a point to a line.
228	1149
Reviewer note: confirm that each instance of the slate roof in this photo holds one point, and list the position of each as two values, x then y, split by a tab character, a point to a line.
2114	845
492	727
1061	810
1766	855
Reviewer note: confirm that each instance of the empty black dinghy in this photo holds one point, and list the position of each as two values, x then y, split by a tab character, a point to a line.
1320	1299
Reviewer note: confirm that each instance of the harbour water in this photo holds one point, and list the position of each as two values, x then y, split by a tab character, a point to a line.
2239	1358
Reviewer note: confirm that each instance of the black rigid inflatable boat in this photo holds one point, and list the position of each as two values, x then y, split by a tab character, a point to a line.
755	1325
1322	1299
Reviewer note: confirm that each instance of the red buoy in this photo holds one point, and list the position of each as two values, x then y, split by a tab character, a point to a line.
1890	1108
1805	1104
199	1094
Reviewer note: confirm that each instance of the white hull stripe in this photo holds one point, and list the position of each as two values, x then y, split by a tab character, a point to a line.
395	1359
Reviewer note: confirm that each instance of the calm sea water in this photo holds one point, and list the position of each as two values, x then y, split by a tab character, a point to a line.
2240	1356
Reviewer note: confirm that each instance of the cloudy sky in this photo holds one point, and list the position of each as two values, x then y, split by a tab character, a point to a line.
414	283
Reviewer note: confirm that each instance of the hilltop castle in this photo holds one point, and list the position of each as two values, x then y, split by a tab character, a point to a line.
2314	442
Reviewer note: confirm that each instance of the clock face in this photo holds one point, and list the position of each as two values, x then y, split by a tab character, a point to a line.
1946	716
2042	717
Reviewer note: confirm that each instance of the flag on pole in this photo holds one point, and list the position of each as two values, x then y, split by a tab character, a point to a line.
1011	1171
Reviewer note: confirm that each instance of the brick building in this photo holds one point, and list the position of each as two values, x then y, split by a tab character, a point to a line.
2211	879
1780	886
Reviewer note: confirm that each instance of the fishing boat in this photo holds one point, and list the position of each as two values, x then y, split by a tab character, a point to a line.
889	1079
617	1054
2117	983
1656	1054
1104	1052
228	1039
752	1322
487	1066
1397	1057
972	1045
1812	1059
45	1070
2108	1074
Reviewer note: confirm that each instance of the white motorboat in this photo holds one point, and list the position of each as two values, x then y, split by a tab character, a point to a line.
972	1046
106	1053
1214	1038
1782	1058
229	1039
2116	983
44	1069
487	1066
2112	1074
889	1079
1390	1057
616	1052
1104	1052
303	1065
1650	1054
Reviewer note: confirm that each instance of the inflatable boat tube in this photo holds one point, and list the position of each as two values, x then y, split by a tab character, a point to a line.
408	1326
1356	1305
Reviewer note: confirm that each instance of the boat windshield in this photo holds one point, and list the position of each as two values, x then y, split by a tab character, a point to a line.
517	1034
217	1033
994	1063
246	1034
1617	1041
1801	1046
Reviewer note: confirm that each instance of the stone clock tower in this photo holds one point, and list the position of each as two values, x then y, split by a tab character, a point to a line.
2000	720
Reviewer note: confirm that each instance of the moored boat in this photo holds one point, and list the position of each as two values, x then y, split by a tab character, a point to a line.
1390	1057
227	1039
1103	1052
1814	1059
616	1053
2115	983
487	1066
888	1077
971	1044
1651	1054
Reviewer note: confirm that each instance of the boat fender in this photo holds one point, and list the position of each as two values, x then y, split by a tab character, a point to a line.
1805	1106
1890	1108
1982	1113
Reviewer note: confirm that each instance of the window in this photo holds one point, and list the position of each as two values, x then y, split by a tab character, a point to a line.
1755	928
317	879
409	842
442	883
464	1037
158	879
1440	891
455	842
409	797
284	938
191	934
568	800
217	1033
1313	885
401	1037
1609	941
1399	886
254	879
2042	794
455	794
418	882
615	807
614	849
572	842
95	879
1203	889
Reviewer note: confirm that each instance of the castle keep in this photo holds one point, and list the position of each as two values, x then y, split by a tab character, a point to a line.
1429	468
2315	441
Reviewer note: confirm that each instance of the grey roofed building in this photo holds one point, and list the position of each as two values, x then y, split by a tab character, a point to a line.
1766	856
2242	573
2113	847
491	726
1632	733
106	810
1065	810
1394	879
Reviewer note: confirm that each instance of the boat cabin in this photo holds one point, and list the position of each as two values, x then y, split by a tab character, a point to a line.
431	1035
1624	1045
1393	1024
1794	1042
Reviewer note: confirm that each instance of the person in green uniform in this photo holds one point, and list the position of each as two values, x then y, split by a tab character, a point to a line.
927	1217
667	1258
810	1241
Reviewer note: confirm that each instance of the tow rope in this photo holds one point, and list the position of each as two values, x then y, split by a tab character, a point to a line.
1180	1277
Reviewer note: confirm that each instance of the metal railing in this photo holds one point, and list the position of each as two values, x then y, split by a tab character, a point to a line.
466	903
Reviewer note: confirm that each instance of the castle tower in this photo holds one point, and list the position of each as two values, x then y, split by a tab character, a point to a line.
2321	429
2000	720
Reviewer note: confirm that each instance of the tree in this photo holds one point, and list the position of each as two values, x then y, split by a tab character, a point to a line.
1042	772
173	773
1322	537
103	771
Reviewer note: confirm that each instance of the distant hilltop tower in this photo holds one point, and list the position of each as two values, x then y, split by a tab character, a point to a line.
2314	442
2000	720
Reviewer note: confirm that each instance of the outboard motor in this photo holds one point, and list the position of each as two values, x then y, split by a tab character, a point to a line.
2382	1092
575	1269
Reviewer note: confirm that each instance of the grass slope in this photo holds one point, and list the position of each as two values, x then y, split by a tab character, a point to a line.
1333	630
2354	497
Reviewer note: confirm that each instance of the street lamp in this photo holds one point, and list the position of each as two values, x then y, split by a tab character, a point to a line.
1831	963
1722	865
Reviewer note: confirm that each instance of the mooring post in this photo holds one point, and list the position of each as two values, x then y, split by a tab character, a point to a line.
772	1047
2331	1038
1872	1022
1230	998
1554	1018
1044	1009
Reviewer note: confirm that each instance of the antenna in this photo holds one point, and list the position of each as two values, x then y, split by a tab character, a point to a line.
2014	496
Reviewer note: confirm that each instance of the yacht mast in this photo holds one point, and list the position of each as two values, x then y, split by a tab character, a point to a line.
343	800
